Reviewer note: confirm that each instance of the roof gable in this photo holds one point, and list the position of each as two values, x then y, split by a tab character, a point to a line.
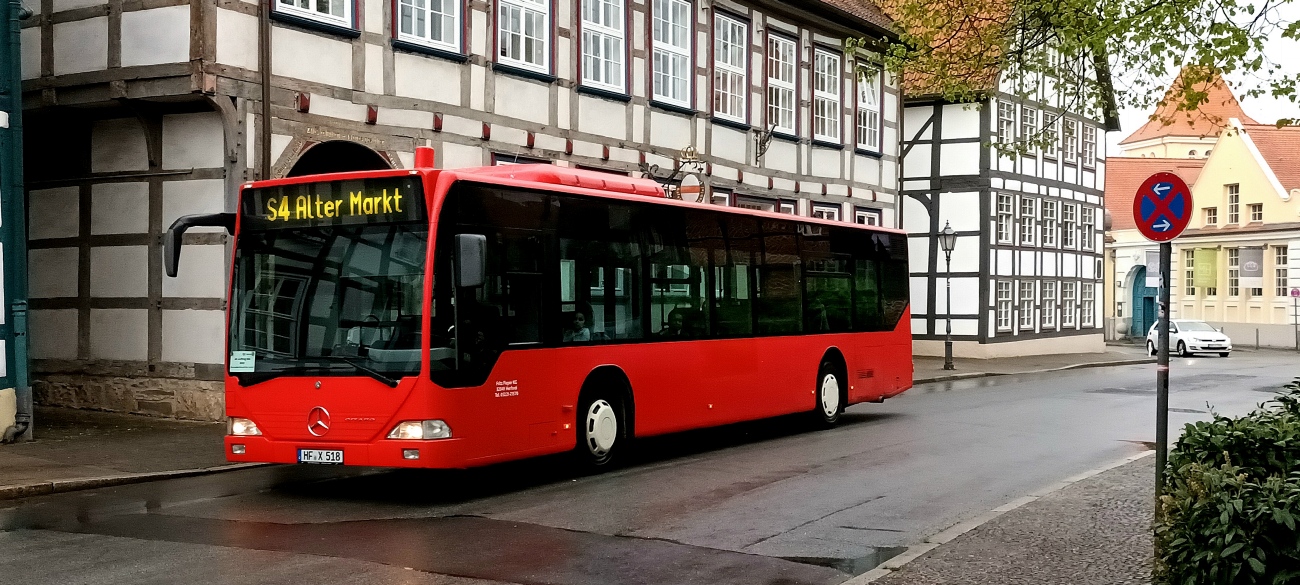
1125	175
1210	117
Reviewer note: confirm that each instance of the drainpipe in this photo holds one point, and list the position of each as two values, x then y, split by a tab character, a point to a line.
13	235
264	68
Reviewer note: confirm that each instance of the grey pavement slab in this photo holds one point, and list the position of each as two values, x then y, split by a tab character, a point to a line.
928	369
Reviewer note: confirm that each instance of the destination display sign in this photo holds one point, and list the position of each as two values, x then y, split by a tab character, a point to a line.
384	200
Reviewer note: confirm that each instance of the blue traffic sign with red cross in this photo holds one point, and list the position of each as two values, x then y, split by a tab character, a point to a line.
1162	207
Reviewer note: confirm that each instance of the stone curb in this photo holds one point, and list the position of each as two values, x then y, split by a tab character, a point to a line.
968	375
41	488
951	533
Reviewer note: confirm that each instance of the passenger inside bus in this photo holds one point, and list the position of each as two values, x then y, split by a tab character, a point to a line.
578	330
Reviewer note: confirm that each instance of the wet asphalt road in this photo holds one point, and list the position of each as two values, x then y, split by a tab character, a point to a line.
766	502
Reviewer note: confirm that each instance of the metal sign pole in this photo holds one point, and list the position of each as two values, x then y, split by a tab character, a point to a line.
1162	371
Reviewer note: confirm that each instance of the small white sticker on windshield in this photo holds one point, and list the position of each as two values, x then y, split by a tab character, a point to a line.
243	361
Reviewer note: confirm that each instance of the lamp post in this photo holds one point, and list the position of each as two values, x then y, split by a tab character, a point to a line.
948	241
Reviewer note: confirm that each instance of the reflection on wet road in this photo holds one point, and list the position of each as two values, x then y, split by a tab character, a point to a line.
765	502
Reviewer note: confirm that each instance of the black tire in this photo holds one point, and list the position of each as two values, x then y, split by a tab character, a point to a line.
1223	354
1182	350
602	430
831	393
1151	349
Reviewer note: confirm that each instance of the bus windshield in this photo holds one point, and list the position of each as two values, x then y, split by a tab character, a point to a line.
328	280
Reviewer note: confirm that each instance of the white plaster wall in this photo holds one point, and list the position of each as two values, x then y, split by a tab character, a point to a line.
730	144
867	170
237	39
1086	343
53	334
455	156
374	16
81	46
158	35
423	78
119	271
192	197
669	131
119	334
961	210
193	336
52	273
61	5
335	108
119	208
960	121
957	159
374	69
917	162
118	145
202	274
825	162
965	295
53	213
405	118
914	119
192	141
602	117
311	57
916	218
522	99
30	43
919	293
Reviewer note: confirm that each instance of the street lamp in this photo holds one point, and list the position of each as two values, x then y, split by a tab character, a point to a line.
948	241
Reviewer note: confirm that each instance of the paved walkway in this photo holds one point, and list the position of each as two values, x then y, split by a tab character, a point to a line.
929	369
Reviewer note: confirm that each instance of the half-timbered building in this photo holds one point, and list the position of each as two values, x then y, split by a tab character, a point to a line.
140	112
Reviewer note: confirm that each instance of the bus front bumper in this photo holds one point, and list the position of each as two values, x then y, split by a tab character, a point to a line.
442	453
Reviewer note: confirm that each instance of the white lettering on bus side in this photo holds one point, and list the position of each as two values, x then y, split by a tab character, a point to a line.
507	388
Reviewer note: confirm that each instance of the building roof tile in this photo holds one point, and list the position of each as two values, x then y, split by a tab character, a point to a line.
1280	148
864	9
1125	175
1207	120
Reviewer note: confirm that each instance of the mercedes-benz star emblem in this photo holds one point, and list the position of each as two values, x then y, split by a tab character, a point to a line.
318	421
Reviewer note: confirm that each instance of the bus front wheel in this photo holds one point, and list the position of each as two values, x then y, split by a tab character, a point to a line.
830	393
601	430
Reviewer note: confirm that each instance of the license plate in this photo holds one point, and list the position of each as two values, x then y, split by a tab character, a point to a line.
320	456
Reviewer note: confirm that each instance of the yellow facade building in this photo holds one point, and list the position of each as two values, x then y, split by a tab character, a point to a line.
1238	262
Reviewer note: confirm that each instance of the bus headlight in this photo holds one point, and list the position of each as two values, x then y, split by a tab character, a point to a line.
420	429
242	427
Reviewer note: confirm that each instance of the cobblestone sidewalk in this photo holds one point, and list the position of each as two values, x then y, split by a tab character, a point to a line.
1094	532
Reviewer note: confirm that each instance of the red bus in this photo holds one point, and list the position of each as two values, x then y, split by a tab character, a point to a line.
456	318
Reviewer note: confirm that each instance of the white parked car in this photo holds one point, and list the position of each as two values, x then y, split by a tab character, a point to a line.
1189	336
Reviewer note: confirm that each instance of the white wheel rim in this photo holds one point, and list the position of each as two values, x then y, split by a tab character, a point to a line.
601	428
830	395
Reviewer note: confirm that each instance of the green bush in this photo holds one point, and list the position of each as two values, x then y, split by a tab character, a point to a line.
1231	499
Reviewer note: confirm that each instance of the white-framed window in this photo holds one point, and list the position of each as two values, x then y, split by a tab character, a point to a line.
1026	305
1211	216
1050	124
1049	226
730	76
524	34
1256	211
1087	304
720	198
1006	122
1028	220
337	12
603	42
827	111
867	216
1048	292
782	67
672	52
758	203
1004	305
1070	140
1280	272
1005	210
787	207
1088	227
1234	203
1234	272
826	211
1029	125
1189	273
1089	145
430	22
869	109
1069	308
1069	221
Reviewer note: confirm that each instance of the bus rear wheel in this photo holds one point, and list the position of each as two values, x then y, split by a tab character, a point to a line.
830	394
601	431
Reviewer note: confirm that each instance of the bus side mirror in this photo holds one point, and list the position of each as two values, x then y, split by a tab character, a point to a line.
471	260
172	239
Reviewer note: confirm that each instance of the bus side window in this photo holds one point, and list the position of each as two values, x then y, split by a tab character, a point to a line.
778	308
827	281
733	269
599	264
679	286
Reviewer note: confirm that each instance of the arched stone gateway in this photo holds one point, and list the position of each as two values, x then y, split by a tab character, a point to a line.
337	156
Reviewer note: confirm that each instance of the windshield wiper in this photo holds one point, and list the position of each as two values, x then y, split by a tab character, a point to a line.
373	373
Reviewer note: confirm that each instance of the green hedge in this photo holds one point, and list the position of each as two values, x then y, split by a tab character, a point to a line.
1232	499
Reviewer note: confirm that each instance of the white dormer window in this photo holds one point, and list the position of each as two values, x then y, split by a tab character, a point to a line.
524	33
603	44
730	76
869	109
672	52
337	12
435	23
826	96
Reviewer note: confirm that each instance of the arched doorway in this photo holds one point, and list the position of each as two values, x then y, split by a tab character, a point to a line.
1144	303
337	156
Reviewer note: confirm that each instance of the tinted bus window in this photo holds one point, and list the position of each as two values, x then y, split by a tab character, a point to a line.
733	272
778	306
600	264
828	282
